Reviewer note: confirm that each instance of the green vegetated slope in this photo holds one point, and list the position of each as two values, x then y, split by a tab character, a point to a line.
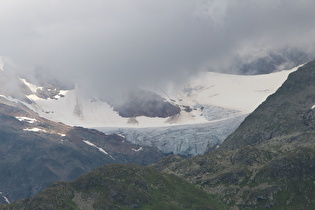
269	161
121	187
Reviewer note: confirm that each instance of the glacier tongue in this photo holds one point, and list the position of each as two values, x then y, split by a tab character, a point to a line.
184	140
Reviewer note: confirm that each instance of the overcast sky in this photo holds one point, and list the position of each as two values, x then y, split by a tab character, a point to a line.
106	44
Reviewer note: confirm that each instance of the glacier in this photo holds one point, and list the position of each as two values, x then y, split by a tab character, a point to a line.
185	140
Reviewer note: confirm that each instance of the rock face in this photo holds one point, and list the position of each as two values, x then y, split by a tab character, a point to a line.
36	152
121	187
269	161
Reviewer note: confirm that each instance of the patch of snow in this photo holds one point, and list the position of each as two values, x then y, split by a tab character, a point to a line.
313	106
31	86
62	134
1	66
99	148
3	61
34	129
137	150
122	136
61	94
9	98
26	119
5	198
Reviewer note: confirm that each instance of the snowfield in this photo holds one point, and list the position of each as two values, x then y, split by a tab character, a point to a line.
212	96
217	104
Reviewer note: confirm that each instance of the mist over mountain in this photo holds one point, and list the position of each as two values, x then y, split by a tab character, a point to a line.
273	61
108	47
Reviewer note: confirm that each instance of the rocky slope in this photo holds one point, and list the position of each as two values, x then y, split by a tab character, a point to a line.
36	152
120	187
269	161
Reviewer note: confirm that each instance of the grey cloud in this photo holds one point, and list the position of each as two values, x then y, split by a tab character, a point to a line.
111	45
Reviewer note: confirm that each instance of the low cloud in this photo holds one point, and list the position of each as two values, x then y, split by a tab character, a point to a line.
108	46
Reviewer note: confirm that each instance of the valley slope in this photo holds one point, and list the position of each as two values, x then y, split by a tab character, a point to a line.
36	152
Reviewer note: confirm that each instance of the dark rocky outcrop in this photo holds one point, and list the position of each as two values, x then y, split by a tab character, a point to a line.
145	103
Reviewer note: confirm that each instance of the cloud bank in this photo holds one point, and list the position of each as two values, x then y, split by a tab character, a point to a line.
111	45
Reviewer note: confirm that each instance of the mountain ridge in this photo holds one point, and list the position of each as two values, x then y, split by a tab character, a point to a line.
253	169
295	94
121	187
